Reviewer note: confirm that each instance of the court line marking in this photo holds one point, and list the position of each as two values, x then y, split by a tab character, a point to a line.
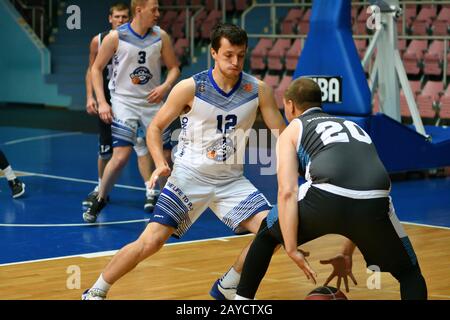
56	225
113	252
43	137
75	179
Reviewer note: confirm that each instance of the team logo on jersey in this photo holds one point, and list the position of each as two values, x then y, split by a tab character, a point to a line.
221	150
202	87
141	76
248	87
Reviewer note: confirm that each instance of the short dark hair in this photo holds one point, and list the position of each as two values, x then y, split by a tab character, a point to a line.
118	6
233	33
305	93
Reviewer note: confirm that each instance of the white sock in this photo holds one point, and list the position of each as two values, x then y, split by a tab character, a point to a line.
99	183
9	173
230	279
101	284
238	297
151	192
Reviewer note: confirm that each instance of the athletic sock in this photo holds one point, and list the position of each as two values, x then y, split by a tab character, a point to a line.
9	173
101	284
230	279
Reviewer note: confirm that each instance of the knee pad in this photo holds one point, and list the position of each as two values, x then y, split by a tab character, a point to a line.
140	147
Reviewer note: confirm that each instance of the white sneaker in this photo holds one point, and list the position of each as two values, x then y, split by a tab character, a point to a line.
220	293
93	294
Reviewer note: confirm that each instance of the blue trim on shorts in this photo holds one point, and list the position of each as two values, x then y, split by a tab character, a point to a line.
252	205
121	143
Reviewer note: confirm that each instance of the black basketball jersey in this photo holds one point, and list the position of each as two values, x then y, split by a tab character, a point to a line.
336	152
107	72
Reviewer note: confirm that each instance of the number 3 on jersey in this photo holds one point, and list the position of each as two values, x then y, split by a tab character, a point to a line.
331	132
230	123
142	57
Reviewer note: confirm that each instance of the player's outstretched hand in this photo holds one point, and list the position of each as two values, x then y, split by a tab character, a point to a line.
163	171
342	269
299	258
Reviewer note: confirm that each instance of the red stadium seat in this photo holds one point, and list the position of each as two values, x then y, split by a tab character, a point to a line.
404	109
277	53
413	56
271	80
291	20
441	26
292	55
429	97
279	92
423	21
444	105
259	54
303	25
433	58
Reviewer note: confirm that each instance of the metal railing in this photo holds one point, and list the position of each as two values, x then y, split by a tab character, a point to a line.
40	29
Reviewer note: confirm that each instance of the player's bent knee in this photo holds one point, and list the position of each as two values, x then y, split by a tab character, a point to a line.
253	223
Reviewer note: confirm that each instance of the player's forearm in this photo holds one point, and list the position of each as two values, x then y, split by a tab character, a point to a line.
348	248
97	82
288	216
155	145
89	89
172	76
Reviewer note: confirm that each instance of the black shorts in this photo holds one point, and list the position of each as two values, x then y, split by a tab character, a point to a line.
370	223
104	139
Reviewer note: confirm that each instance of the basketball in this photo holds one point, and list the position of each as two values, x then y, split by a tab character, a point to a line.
326	293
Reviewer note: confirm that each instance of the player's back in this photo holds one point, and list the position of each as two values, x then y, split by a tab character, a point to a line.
337	152
136	65
214	132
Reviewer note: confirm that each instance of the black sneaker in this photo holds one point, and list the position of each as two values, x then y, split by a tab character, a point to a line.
90	198
93	210
150	201
17	188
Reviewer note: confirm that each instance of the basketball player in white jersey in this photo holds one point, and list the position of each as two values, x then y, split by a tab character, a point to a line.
137	49
215	107
119	14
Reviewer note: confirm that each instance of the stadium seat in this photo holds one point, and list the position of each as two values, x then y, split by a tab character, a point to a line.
441	26
413	56
415	88
259	54
279	91
410	14
168	20
361	21
433	58
444	105
291	20
211	20
277	54
429	98
271	80
423	21
292	55
241	5
303	24
361	46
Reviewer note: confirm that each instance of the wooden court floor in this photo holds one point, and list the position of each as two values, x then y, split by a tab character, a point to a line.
186	271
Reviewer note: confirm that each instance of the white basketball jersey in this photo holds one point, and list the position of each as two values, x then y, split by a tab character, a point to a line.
215	131
136	65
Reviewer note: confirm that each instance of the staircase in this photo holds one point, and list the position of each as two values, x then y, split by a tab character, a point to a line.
70	48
